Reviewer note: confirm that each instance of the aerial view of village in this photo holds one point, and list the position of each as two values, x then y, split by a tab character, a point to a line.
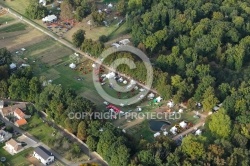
124	83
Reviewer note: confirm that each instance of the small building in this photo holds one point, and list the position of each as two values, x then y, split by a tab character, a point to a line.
4	136
18	113
49	18
6	111
21	122
13	147
43	155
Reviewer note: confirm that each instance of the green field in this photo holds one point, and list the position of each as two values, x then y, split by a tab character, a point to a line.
18	5
14	27
39	129
4	19
18	159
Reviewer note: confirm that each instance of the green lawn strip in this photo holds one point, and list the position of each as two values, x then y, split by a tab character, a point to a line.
14	27
18	5
17	159
39	129
4	19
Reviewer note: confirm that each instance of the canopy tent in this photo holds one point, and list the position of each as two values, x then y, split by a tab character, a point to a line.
180	111
125	82
115	45
132	82
173	130
122	105
183	124
141	90
43	2
157	134
136	88
50	18
170	104
198	132
123	130
120	79
158	99
124	42
110	5
93	65
12	66
151	96
72	65
165	133
110	75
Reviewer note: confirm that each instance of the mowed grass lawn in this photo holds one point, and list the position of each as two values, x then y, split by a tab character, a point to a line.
6	18
14	27
18	159
18	5
39	129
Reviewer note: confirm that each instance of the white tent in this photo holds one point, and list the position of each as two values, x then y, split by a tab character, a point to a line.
43	2
136	88
157	134
198	132
122	105
180	110
124	41
115	45
93	65
170	104
125	82
158	99
151	96
183	124
129	86
173	130
110	75
12	66
25	65
120	79
110	5
139	109
132	82
141	90
72	65
50	18
23	49
123	130
165	133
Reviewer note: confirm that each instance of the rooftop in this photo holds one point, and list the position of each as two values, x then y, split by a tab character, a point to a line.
42	152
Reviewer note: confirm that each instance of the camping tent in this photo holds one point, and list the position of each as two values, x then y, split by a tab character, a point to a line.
183	124
93	65
165	133
132	82
151	96
173	130
124	42
125	82
110	5
72	65
198	132
180	110
170	104
50	18
158	99
12	66
157	134
110	75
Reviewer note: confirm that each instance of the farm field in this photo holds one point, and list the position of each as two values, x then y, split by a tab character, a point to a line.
6	18
18	5
14	27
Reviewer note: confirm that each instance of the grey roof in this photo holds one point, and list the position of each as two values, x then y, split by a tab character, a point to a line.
43	153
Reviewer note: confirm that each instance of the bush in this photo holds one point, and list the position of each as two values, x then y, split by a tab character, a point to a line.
103	38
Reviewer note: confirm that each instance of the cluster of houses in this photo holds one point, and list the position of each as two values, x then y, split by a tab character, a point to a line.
12	145
15	112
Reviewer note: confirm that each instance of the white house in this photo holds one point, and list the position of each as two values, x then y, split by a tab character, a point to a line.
43	155
13	146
